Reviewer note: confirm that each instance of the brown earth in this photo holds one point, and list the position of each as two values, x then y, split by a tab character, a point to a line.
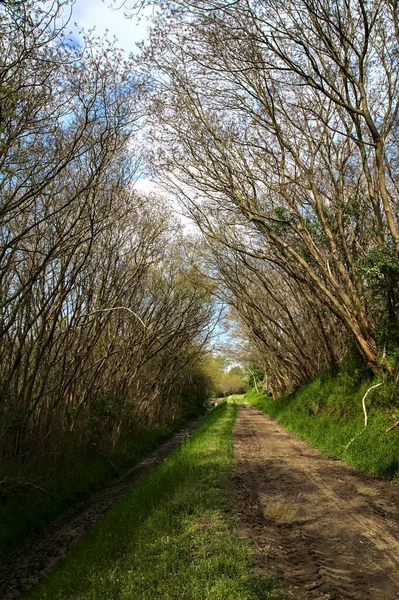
331	532
23	569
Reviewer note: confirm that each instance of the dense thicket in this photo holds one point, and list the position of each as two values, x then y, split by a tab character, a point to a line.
277	124
102	316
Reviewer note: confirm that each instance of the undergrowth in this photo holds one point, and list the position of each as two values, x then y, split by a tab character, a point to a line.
327	413
31	499
171	538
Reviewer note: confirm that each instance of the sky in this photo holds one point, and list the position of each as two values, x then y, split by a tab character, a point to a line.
104	16
108	19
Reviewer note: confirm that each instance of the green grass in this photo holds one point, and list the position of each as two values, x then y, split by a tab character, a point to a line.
172	537
25	509
327	413
237	398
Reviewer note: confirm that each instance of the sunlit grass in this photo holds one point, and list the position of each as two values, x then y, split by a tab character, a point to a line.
237	399
172	537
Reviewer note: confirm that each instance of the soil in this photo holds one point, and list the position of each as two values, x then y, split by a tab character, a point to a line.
23	569
330	532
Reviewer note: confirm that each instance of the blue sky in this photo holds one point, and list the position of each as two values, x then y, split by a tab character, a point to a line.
103	15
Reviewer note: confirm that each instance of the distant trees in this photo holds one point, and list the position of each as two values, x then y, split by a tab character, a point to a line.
233	382
101	328
276	123
225	379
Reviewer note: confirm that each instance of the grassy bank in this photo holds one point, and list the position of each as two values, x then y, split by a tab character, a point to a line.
328	414
171	537
33	498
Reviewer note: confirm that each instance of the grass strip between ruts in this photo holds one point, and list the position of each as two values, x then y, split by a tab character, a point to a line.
171	537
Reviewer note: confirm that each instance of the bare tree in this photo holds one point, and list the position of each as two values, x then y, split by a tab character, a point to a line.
269	127
101	327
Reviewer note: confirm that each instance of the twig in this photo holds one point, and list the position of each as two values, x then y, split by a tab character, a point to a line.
148	328
365	414
104	456
27	484
102	310
364	402
392	427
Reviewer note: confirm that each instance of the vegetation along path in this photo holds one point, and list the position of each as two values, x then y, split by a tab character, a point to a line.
24	568
171	537
332	532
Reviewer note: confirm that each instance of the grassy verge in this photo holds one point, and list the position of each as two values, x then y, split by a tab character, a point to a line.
29	507
328	414
171	537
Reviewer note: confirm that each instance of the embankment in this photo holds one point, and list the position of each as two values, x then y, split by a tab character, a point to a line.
328	414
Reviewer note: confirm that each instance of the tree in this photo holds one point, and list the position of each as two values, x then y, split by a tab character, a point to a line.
103	320
269	126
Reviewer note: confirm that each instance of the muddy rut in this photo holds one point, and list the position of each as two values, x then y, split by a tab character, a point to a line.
24	568
331	533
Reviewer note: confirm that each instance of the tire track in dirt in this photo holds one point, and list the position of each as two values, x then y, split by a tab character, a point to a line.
331	532
23	569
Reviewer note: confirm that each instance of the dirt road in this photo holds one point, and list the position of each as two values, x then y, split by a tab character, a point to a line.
26	567
331	532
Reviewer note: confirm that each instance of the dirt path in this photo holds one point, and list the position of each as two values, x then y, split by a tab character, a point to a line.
25	568
331	532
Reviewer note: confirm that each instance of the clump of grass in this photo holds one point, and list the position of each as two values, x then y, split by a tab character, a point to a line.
171	537
327	413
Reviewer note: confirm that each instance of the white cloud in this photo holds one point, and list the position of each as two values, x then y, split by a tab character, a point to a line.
147	186
101	15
